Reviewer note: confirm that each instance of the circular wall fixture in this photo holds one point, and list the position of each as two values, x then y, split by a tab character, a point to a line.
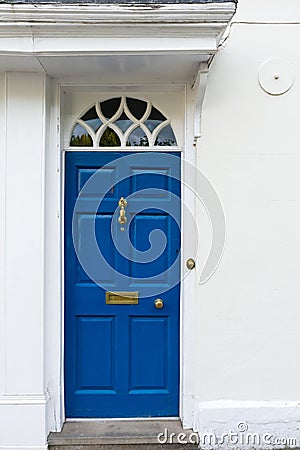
276	76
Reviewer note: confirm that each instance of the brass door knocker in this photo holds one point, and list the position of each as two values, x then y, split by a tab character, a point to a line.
122	217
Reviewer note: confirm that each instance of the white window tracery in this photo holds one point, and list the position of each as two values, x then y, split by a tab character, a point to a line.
122	122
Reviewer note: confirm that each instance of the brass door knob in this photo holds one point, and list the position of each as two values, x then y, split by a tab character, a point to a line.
190	263
158	303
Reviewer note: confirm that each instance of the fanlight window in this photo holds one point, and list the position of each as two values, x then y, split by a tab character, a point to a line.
122	122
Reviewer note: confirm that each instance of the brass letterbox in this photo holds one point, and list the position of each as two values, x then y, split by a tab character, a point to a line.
122	298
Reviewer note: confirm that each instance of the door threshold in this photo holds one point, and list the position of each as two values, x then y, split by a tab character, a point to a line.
119	433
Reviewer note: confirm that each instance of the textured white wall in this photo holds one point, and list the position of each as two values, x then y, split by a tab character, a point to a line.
249	321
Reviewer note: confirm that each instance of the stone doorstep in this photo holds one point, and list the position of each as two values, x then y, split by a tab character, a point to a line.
121	433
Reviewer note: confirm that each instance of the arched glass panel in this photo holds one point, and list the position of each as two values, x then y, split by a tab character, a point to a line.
116	116
80	137
109	138
110	107
137	138
92	119
155	118
166	137
123	122
136	107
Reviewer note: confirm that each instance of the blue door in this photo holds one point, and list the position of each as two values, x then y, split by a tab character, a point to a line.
122	284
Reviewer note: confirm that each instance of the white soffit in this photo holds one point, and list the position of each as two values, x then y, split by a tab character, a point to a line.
129	69
166	42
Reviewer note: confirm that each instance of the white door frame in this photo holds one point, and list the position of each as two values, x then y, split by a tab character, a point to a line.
55	197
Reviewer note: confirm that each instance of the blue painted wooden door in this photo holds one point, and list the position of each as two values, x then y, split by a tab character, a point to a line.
122	360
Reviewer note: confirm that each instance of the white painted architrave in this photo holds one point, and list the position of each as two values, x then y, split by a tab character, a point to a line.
3	94
176	103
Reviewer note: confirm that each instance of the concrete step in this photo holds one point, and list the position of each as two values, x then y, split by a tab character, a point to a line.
123	435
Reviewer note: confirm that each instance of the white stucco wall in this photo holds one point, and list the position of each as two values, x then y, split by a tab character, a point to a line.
248	330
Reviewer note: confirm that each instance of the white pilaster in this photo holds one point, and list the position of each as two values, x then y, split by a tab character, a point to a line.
23	399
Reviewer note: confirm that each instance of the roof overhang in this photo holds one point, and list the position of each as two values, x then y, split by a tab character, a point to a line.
62	38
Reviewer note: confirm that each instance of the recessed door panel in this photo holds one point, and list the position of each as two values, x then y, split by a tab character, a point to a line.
95	355
149	353
154	271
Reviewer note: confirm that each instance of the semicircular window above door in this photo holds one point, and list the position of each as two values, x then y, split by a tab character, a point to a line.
122	122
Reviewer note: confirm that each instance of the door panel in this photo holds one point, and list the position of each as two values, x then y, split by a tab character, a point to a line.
95	336
122	360
148	367
102	226
142	225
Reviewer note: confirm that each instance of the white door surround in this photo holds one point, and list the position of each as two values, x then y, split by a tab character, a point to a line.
172	101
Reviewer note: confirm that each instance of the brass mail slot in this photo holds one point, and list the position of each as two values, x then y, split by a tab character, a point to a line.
122	298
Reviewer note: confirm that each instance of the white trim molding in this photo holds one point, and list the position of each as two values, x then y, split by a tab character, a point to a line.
226	424
29	399
29	22
114	14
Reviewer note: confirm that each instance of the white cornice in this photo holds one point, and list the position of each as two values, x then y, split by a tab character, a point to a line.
105	29
113	20
39	14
